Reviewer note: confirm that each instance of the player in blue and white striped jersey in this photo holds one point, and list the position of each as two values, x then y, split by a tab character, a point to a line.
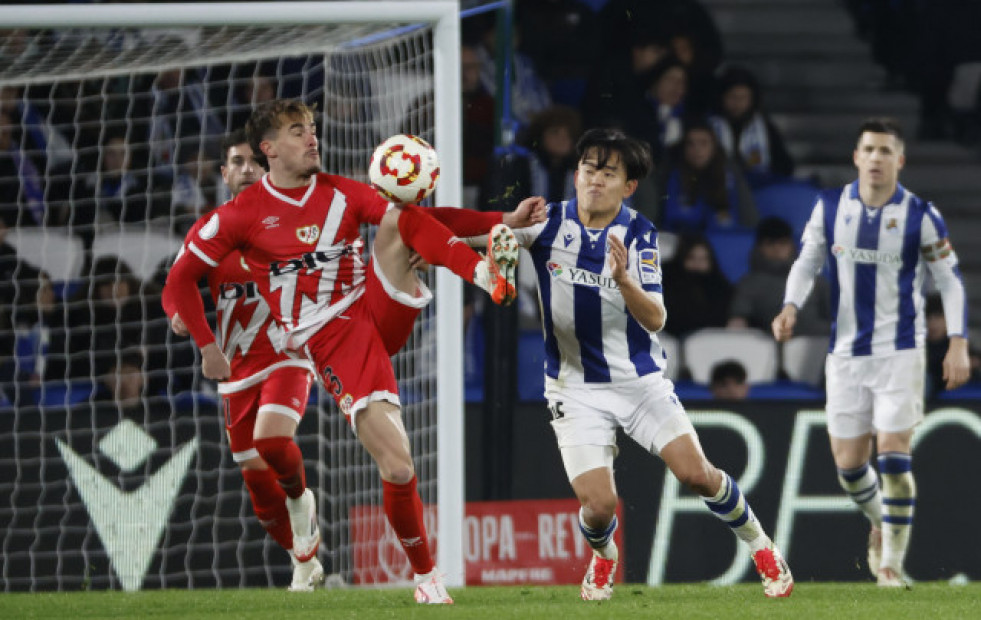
877	237
599	285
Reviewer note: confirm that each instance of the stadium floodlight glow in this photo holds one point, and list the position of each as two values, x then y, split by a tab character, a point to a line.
89	72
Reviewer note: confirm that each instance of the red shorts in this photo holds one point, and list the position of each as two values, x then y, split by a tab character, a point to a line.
285	391
352	353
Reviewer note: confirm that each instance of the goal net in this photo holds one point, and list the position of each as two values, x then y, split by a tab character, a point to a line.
114	463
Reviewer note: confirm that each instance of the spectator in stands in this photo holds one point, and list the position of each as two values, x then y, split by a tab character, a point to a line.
759	293
561	37
543	163
701	188
728	381
21	192
112	193
180	117
746	133
617	82
249	93
937	341
529	93
699	292
124	382
478	119
194	189
113	312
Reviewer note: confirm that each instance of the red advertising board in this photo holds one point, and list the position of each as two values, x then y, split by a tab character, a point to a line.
512	542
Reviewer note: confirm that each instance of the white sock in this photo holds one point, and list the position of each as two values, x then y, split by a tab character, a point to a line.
482	276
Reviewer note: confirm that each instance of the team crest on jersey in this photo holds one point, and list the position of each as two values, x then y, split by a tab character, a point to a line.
892	225
345	403
650	270
308	234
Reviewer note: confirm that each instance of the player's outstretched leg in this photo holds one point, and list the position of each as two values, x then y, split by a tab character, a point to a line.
430	589
496	274
303	520
307	576
730	505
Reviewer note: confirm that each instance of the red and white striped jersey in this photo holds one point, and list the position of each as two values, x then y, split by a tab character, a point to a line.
246	331
302	246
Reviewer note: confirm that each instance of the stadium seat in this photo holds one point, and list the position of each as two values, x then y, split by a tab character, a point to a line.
142	249
791	201
672	348
59	254
755	350
732	248
803	359
785	390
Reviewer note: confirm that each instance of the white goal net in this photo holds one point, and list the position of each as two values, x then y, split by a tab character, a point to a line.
114	465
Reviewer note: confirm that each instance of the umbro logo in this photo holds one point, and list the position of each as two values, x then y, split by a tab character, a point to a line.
412	541
271	222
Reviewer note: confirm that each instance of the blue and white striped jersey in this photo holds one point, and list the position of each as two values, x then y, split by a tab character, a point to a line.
876	258
590	337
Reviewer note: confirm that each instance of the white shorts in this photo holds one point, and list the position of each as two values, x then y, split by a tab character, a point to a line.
646	408
870	394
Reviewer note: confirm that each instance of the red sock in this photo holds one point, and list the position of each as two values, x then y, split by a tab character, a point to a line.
436	243
283	456
403	507
269	504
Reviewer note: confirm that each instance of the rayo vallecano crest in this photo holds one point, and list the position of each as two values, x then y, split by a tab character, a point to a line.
129	523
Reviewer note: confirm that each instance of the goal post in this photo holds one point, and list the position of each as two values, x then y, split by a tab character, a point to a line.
48	49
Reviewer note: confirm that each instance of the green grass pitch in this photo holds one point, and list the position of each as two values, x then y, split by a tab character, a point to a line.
836	601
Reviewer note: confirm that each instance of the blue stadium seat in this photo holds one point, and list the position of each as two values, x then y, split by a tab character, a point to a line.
785	390
791	201
62	394
732	248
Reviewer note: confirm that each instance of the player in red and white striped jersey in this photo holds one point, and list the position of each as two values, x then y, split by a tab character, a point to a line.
266	393
298	230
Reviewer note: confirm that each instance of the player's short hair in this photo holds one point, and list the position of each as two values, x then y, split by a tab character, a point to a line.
635	155
728	369
881	124
270	117
232	140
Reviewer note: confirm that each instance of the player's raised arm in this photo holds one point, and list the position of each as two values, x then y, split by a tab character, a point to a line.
646	308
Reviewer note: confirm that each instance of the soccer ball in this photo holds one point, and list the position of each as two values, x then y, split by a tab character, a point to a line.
404	169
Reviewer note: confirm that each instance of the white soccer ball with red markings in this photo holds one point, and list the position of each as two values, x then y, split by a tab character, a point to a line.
404	169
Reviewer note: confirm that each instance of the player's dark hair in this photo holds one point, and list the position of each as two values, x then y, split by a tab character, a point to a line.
881	124
232	140
270	117
604	142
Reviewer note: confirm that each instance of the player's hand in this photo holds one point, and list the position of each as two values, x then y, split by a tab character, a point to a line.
957	366
214	365
417	262
178	327
783	323
618	259
529	211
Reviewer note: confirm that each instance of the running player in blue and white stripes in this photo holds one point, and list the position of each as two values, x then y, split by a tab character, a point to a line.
877	237
600	288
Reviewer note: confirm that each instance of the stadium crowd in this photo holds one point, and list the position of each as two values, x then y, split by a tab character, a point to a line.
142	150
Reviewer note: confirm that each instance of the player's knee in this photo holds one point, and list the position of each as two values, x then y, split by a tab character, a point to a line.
253	464
601	506
399	473
701	479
